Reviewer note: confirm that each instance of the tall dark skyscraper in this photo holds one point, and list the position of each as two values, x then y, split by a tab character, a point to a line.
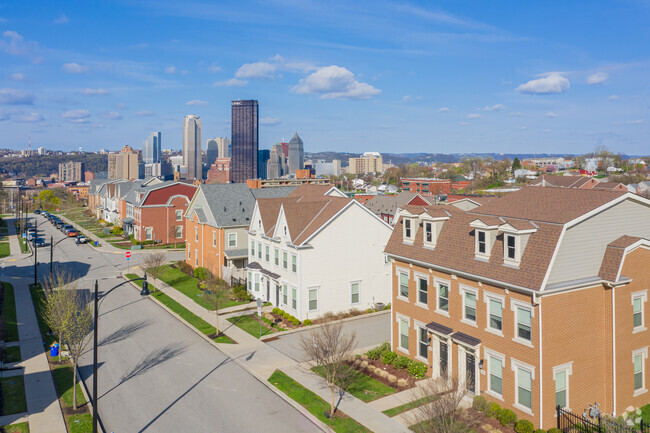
263	156
245	138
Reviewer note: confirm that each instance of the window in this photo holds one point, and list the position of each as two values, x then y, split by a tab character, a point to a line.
443	297
525	388
148	233
561	389
284	294
189	253
196	257
423	284
407	228
179	215
524	323
259	250
510	247
267	253
179	232
232	239
428	232
293	298
214	238
257	282
469	305
423	343
354	293
639	357
253	249
313	299
495	312
482	244
249	282
403	285
638	301
284	259
276	254
294	263
404	334
196	234
495	371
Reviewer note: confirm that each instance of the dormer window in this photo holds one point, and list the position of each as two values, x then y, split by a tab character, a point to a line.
481	242
428	232
510	246
407	228
515	237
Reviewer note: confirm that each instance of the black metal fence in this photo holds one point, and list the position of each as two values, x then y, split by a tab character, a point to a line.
571	423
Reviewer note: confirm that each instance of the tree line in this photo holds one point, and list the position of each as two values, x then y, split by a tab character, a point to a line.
45	165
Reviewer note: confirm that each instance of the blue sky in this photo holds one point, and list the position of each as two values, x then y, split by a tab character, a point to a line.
445	76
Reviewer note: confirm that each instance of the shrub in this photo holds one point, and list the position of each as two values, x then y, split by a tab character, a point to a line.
201	273
185	268
275	310
492	410
364	364
384	374
508	417
479	403
417	369
388	357
354	312
295	322
401	362
307	322
402	383
554	430
377	371
377	351
387	307
524	426
540	430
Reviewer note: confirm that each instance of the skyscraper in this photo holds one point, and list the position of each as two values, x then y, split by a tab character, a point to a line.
245	138
263	156
151	148
277	163
296	160
217	148
192	147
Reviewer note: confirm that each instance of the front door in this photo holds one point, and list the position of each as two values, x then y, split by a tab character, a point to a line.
277	295
268	291
471	371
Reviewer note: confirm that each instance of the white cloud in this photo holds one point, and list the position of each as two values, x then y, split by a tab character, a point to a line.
552	82
497	107
112	115
334	82
613	98
61	19
213	68
185	72
523	128
76	115
17	77
143	113
233	82
409	98
444	110
16	97
196	103
270	121
74	68
14	44
94	92
256	70
30	118
597	78
631	122
474	116
550	114
464	123
170	70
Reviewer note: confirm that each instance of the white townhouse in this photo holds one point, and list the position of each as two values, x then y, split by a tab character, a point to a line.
317	251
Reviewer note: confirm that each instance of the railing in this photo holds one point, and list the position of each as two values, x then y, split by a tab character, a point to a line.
571	423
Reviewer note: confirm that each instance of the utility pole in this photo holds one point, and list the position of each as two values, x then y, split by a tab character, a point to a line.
51	257
35	253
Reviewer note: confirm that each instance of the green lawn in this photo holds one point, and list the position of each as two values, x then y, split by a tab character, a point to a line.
23	245
63	383
314	404
9	313
407	406
13	395
22	427
188	286
12	354
191	318
364	387
251	325
4	249
645	413
81	423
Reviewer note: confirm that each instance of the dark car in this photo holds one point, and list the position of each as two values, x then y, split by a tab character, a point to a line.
37	212
39	242
67	228
59	223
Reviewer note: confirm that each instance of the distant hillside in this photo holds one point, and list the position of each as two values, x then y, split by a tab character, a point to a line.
447	158
45	165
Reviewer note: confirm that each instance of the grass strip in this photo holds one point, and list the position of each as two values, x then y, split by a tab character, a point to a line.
4	249
251	325
38	299
12	354
9	312
363	387
23	245
22	427
80	423
13	395
407	406
63	382
191	318
341	423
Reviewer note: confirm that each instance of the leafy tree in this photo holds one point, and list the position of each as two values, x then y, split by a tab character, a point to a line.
77	328
516	164
59	303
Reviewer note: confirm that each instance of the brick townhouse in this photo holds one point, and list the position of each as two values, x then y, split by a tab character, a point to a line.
535	299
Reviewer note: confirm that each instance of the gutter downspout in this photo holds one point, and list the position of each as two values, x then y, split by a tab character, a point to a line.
541	382
613	351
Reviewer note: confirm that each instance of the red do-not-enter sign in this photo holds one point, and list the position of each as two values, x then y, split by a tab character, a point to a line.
127	254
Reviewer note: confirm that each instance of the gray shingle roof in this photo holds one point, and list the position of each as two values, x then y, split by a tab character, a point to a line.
388	204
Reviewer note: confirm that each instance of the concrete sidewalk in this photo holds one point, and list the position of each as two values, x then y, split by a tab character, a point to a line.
43	410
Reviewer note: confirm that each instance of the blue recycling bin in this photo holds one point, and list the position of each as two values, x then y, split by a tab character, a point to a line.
54	350
95	243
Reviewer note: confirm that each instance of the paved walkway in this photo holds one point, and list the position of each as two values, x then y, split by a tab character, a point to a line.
43	410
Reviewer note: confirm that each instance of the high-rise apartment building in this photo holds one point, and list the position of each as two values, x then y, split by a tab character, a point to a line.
369	162
296	160
192	147
276	166
151	148
124	165
72	171
42	151
245	126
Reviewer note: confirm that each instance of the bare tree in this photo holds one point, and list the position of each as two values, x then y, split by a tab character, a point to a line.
172	234
443	411
59	303
77	328
216	293
328	349
153	264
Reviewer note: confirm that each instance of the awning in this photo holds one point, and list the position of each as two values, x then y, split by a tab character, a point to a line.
465	339
241	253
254	266
128	220
439	329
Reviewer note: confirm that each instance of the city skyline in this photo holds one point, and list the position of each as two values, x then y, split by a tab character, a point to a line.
463	77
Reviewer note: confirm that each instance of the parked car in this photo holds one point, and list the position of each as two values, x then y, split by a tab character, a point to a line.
66	228
72	233
37	212
39	242
59	224
81	239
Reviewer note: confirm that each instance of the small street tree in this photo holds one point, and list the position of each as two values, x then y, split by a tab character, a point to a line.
153	264
328	348
216	294
172	234
76	330
59	306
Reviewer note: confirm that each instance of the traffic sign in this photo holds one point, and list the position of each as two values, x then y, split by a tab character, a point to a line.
127	254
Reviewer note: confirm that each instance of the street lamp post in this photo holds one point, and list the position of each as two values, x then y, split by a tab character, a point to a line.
143	292
52	245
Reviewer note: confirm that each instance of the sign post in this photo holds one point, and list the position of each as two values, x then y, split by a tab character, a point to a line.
128	265
259	314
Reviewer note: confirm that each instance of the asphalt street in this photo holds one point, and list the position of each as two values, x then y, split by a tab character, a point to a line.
155	374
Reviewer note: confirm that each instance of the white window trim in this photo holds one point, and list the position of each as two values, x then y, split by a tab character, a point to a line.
436	283
285	254
507	260
230	235
358	282
419	325
643	295
417	276
644	371
292	298
399	271
309	289
294	256
196	234
426	243
487	297
177	232
514	365
477	253
214	238
487	353
463	291
267	253
413	223
146	233
568	369
398	319
276	250
514	304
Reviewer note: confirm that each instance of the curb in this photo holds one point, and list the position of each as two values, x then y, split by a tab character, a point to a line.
259	378
84	390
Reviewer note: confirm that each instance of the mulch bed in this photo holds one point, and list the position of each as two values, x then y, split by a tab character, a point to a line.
67	411
489	425
400	374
